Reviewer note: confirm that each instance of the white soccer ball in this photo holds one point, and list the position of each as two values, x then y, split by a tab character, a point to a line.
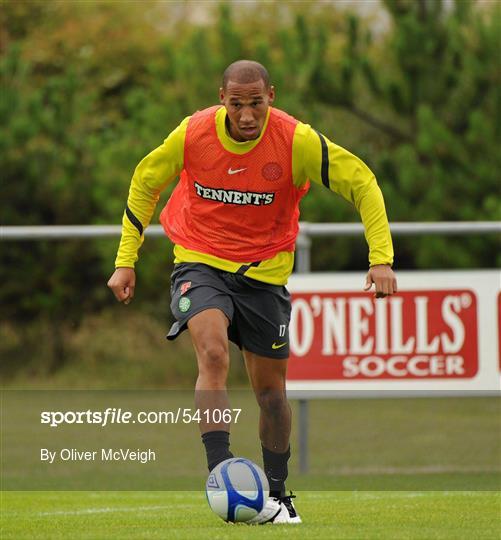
237	490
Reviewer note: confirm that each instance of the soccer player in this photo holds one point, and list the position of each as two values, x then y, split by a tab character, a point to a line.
233	217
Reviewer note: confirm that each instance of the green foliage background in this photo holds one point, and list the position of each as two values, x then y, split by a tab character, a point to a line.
88	88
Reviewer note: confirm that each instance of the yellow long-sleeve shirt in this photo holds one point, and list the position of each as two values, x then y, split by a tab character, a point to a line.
314	157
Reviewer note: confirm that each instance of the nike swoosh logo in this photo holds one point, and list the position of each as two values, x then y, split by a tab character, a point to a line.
231	171
279	345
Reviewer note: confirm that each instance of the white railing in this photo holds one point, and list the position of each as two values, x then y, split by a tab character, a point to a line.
57	232
303	244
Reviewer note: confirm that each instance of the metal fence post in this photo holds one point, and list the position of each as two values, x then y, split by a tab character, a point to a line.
303	247
303	266
303	436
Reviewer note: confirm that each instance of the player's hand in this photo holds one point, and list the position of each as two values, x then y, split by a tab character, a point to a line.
382	276
122	283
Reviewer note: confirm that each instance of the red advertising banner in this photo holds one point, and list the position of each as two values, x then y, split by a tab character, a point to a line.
424	334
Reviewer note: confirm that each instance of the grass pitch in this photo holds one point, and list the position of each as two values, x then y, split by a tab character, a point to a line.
186	515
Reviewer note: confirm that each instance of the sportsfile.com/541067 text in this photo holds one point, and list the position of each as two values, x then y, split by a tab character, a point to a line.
114	415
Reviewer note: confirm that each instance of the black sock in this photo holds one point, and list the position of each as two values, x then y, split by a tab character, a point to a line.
217	447
275	468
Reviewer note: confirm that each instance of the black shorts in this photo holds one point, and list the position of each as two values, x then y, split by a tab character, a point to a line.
259	313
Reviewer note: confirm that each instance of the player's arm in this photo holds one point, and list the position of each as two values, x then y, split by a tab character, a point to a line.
153	174
323	162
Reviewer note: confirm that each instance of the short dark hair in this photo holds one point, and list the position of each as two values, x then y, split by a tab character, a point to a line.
244	72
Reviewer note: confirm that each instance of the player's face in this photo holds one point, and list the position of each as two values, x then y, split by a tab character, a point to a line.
246	106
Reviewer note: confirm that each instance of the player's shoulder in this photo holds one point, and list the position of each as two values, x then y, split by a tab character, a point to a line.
283	122
200	120
278	115
301	130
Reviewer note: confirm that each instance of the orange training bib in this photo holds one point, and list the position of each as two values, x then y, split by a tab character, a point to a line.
239	207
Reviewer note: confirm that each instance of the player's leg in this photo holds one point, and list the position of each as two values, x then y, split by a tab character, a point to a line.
200	303
262	315
267	377
208	330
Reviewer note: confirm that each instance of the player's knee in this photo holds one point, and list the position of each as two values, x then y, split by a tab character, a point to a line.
214	359
271	400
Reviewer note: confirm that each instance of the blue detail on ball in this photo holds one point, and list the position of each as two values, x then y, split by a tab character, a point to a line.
212	481
236	499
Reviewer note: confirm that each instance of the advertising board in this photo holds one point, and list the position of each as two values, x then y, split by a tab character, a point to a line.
439	332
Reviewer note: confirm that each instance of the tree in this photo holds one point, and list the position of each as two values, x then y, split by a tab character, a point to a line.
431	91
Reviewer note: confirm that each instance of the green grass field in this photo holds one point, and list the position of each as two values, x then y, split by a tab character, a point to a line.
186	515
